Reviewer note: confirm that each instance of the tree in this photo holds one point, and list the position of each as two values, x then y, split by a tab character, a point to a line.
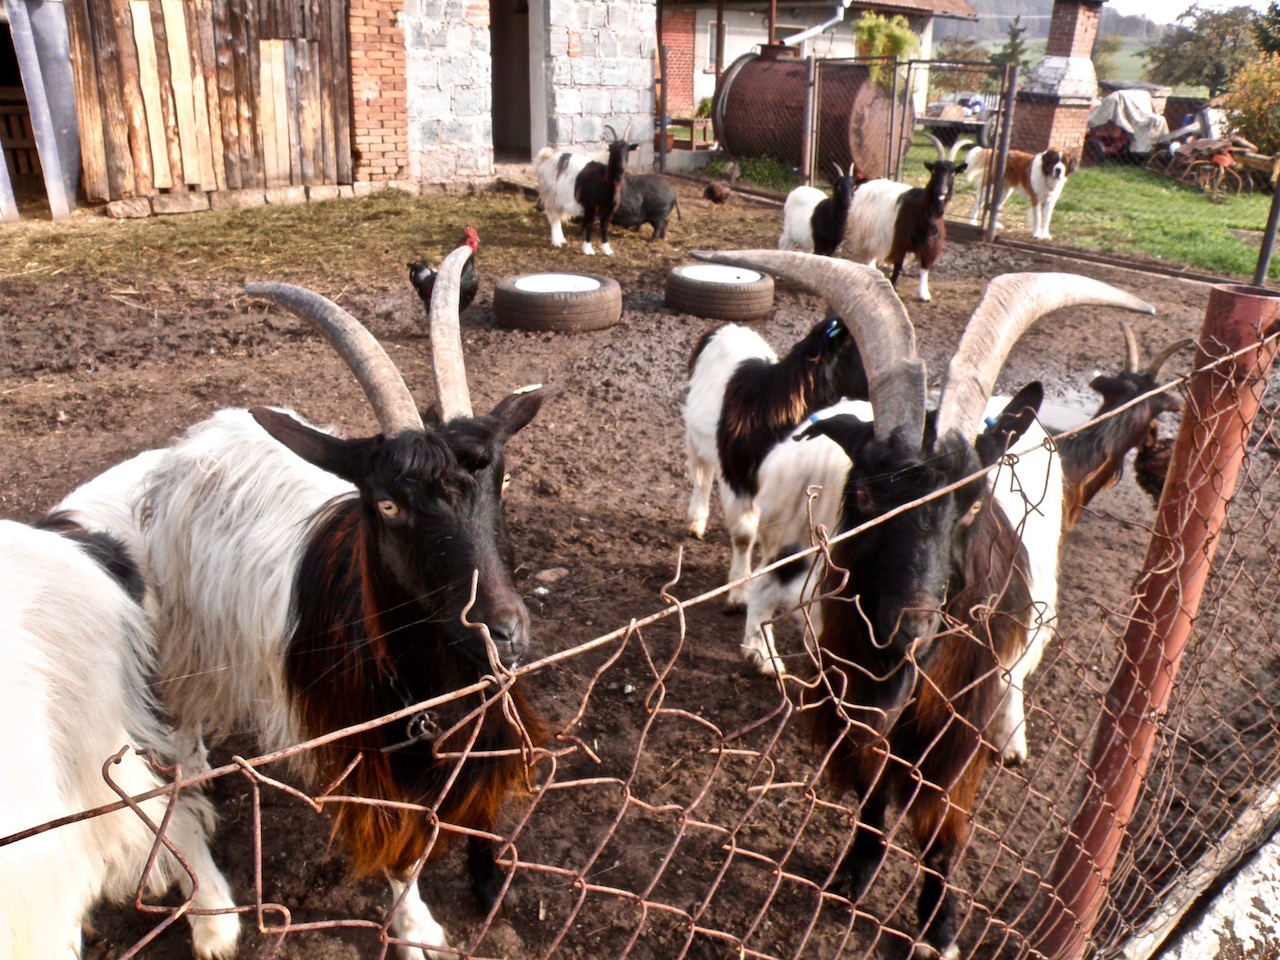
879	36
1205	48
1103	55
1253	102
1014	49
948	79
1266	29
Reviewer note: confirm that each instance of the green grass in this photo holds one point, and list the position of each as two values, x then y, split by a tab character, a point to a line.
1133	212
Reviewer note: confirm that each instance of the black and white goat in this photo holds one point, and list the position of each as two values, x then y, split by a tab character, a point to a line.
741	400
814	222
573	185
888	220
303	583
929	605
77	655
800	487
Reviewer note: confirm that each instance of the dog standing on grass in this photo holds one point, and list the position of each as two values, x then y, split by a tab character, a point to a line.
1040	176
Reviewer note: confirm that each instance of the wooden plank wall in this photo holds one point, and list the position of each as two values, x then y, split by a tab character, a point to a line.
178	95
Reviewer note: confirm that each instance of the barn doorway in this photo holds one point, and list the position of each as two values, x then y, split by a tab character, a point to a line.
509	47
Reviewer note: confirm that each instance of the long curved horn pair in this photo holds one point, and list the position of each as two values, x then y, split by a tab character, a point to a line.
956	147
1011	304
937	145
867	304
375	372
1131	355
391	401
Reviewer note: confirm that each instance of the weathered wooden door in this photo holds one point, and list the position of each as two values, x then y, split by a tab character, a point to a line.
184	95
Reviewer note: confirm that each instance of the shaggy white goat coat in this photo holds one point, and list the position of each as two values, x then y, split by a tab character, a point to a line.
797	218
1030	493
556	189
76	652
227	511
730	346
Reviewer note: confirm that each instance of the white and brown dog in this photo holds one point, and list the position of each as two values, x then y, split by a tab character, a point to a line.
1040	176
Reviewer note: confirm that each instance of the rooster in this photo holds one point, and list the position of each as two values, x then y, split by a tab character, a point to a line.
423	276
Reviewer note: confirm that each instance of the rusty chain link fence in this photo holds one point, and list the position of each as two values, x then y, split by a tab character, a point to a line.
681	831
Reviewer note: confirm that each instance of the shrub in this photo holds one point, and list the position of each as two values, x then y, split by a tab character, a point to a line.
1253	102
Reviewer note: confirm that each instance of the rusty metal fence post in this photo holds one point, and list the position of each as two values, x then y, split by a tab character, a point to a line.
1207	457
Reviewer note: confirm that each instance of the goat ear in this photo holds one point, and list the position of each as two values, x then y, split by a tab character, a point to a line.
848	432
929	165
1014	420
514	411
1115	386
332	454
961	167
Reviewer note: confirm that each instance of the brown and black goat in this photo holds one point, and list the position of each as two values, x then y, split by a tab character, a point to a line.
888	220
303	583
741	400
574	185
901	706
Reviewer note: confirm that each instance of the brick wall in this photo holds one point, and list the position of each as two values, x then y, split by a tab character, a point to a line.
378	113
1042	124
679	35
1073	28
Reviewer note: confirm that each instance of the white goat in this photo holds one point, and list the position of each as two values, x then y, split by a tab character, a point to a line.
804	480
77	651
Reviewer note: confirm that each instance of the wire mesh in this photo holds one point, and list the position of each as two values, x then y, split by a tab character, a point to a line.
703	831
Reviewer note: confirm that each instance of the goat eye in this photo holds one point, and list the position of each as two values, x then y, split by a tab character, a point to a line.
863	500
389	508
506	481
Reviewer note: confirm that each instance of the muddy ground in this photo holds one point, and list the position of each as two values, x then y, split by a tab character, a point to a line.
114	337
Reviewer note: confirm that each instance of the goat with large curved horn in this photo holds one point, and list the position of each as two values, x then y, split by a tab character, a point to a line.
1011	304
446	339
868	306
378	376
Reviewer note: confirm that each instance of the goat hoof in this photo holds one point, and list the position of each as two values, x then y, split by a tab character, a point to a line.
606	249
764	664
215	937
924	951
588	250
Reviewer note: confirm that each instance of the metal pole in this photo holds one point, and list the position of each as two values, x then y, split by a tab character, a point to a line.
1268	239
806	136
1006	134
719	41
1207	457
893	158
773	22
662	108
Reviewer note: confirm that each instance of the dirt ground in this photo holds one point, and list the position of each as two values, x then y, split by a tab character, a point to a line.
114	337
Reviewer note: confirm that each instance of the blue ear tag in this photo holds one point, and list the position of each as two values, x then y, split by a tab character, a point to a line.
991	422
814	418
833	329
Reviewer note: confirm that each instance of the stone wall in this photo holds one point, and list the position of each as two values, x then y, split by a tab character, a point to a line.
448	71
600	66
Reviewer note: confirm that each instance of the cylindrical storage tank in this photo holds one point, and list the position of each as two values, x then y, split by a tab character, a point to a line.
759	111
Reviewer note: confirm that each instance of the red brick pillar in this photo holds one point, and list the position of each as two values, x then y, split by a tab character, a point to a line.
679	35
379	119
1054	102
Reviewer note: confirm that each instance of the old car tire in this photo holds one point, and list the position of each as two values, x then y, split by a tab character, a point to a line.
557	301
720	292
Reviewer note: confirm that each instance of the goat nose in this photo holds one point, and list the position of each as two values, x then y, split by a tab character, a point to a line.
510	633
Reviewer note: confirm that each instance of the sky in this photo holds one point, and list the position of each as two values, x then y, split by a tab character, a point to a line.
1166	11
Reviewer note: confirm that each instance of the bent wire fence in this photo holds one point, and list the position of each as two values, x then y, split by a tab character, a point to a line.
655	826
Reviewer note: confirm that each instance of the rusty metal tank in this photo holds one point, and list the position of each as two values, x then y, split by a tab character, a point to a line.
759	111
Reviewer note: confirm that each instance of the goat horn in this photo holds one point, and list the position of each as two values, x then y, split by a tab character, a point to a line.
937	145
446	339
1130	347
867	304
391	401
613	134
955	148
1161	358
626	131
1011	304
839	172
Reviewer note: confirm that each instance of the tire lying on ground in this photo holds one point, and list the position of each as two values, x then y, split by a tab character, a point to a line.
720	292
557	301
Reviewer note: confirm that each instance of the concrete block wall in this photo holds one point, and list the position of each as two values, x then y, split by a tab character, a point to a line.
448	72
600	67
